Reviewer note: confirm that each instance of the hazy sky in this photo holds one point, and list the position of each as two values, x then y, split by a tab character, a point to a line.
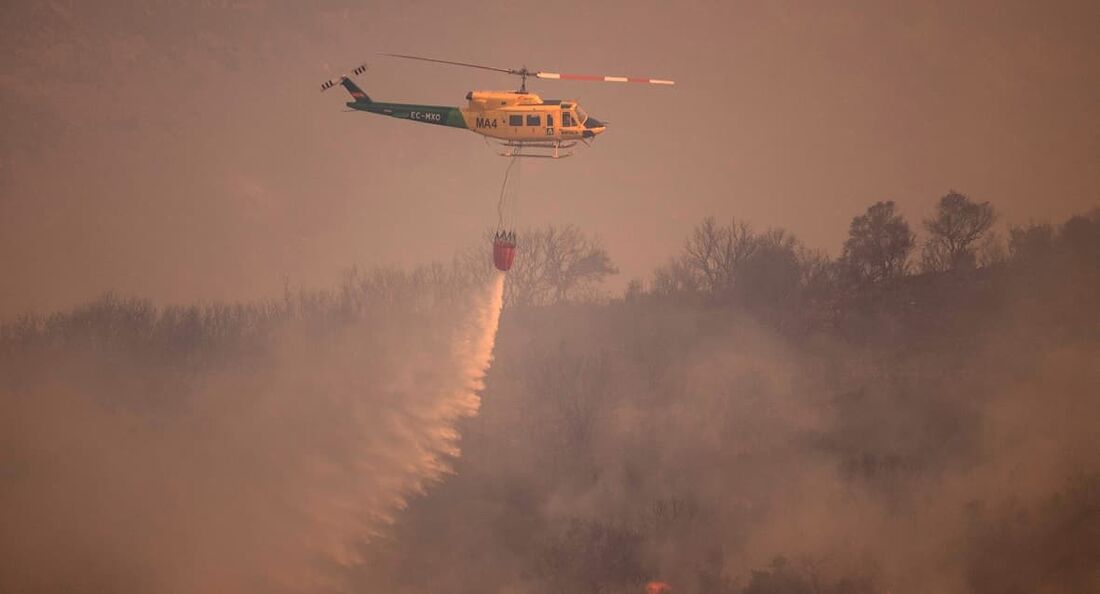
180	150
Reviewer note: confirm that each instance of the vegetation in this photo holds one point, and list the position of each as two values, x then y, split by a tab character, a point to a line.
953	232
878	245
756	419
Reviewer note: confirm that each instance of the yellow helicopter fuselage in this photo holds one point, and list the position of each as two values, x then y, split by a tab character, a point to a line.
526	117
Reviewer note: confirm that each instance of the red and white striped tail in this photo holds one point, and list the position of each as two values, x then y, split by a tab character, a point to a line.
589	77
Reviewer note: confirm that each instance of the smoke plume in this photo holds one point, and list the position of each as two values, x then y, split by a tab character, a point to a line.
259	466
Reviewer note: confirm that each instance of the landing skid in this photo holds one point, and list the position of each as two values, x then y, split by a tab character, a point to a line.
538	149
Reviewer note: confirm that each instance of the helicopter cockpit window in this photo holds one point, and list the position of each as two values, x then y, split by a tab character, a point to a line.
534	120
581	115
515	120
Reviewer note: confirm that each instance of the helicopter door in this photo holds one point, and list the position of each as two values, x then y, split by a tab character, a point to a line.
566	119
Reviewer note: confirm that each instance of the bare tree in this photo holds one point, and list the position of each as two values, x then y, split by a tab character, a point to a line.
954	231
715	252
554	265
878	244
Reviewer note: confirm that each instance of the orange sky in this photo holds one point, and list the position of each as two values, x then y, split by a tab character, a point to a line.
182	151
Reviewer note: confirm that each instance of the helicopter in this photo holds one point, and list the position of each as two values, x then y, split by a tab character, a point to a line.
523	123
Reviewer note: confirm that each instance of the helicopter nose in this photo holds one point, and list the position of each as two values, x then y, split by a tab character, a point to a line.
592	127
592	123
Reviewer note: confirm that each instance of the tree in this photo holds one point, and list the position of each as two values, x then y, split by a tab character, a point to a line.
770	276
765	272
1033	242
1081	236
675	278
714	253
954	230
878	245
554	265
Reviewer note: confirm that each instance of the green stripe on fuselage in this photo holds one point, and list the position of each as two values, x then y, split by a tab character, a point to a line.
428	114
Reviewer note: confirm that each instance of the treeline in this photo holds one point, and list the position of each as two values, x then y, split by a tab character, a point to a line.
138	327
559	264
772	274
769	272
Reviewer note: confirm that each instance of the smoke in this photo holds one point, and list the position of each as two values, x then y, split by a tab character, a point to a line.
263	471
943	448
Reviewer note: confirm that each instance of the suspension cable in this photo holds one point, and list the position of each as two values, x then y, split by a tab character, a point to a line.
503	188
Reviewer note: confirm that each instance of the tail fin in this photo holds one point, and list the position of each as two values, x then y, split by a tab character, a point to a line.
346	82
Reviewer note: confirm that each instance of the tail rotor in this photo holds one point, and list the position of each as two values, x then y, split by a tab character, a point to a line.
345	80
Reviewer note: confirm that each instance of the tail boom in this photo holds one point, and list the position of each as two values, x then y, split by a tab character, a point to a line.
428	114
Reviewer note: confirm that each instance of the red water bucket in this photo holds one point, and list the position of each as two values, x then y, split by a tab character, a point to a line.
504	253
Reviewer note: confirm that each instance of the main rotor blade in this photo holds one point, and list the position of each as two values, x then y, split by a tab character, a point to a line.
590	77
483	67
